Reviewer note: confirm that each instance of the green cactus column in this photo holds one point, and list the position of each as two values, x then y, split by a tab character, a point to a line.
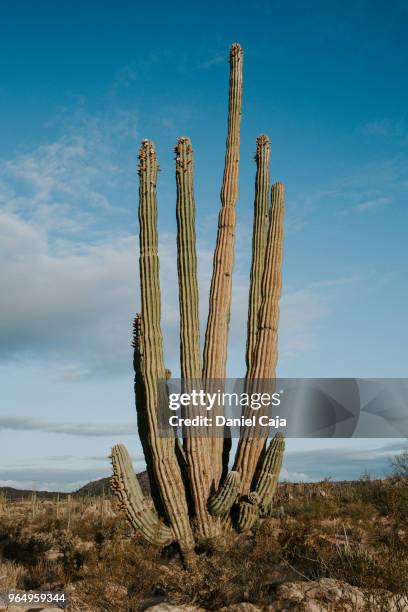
216	337
259	235
142	416
266	350
268	474
165	466
139	513
222	501
190	359
196	442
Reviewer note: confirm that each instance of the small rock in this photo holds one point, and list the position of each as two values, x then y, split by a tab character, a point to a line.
53	554
328	594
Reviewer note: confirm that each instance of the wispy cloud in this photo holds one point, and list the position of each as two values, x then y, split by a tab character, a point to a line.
367	206
346	463
215	58
58	299
70	294
50	479
294	476
65	185
95	458
359	189
382	127
335	282
25	423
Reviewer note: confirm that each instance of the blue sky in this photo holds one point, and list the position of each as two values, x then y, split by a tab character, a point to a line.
82	84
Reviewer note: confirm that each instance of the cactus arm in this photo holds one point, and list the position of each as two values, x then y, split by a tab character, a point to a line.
222	500
248	515
265	354
165	466
142	418
127	489
259	235
268	475
216	337
196	444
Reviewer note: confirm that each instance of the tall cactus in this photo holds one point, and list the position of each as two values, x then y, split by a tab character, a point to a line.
259	237
216	337
191	501
265	357
165	466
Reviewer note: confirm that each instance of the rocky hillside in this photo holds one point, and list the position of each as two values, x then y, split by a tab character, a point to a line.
93	489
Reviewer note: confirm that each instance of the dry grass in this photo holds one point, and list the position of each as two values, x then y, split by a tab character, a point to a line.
356	532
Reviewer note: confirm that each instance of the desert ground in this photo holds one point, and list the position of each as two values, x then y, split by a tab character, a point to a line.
327	546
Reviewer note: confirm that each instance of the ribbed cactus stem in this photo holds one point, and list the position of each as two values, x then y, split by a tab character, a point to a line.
259	236
248	515
196	444
165	466
268	476
140	514
216	337
190	359
266	350
142	418
222	500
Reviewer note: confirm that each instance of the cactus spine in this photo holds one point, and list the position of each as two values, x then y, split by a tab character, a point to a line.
216	337
185	478
198	459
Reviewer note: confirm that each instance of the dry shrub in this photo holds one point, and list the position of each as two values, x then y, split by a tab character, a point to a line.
10	575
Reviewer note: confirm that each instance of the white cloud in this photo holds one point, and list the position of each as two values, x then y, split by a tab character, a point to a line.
347	463
70	284
65	185
15	484
74	303
294	476
371	204
24	423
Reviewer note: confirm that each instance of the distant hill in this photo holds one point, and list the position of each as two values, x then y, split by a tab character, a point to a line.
15	494
94	488
97	487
